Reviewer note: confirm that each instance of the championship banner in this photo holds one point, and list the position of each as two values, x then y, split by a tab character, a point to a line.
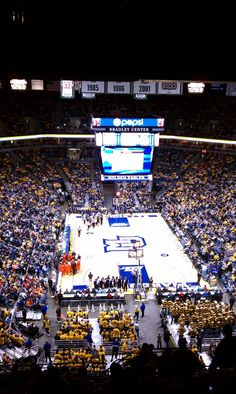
231	89
93	87
118	87
37	84
173	87
146	87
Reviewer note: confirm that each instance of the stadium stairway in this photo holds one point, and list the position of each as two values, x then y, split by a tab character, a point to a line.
92	171
16	160
109	191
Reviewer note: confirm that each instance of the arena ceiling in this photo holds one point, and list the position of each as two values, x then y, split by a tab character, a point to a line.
118	39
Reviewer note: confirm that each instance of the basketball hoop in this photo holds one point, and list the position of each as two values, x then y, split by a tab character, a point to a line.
137	253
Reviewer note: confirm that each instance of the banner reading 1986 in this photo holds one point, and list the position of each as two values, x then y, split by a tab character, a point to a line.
118	87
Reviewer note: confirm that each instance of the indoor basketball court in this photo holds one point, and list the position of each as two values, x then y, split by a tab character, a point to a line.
121	244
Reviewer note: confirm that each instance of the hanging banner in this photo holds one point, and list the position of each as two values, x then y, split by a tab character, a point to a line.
37	84
146	87
118	87
77	85
231	89
93	87
172	87
67	89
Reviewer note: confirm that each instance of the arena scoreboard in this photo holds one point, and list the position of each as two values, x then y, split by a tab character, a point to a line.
128	124
127	131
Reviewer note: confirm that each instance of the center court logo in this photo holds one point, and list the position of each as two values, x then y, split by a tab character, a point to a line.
127	122
122	243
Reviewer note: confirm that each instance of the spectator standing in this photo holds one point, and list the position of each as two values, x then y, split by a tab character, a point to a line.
44	309
142	307
167	336
90	276
47	351
225	352
199	342
59	298
212	348
46	325
28	344
199	276
183	362
150	283
136	312
125	284
50	284
24	315
136	328
115	348
231	300
73	267
159	341
58	313
89	338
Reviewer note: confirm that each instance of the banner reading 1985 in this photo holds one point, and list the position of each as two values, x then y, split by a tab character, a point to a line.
93	87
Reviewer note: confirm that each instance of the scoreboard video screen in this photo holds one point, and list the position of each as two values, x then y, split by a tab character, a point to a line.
126	160
127	146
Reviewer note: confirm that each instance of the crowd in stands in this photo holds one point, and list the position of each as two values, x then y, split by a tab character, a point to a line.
116	324
200	208
189	219
30	224
200	115
78	175
169	165
192	292
201	315
90	358
133	197
175	371
198	204
76	326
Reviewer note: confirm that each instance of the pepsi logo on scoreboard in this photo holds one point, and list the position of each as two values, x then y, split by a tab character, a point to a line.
127	124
